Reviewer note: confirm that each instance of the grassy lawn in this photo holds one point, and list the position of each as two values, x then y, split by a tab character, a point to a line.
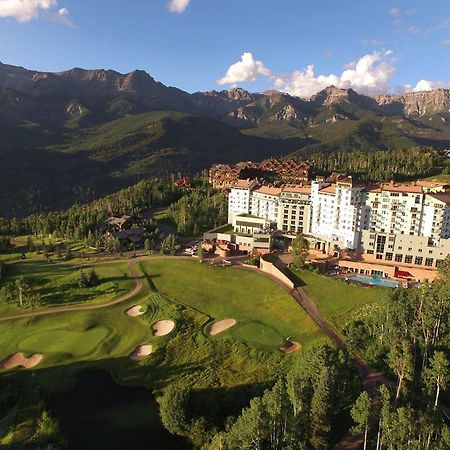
266	314
237	362
334	298
57	284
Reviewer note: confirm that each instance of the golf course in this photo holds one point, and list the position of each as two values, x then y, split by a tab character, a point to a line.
147	323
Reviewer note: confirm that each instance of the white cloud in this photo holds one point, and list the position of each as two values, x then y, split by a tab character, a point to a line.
245	70
61	16
370	74
428	85
445	42
401	12
395	12
26	10
178	6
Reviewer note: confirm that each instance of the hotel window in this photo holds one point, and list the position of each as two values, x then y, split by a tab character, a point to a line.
388	257
370	252
429	262
379	256
408	259
398	257
419	260
381	241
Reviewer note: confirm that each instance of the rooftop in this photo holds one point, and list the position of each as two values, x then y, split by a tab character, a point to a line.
244	184
268	190
443	197
331	189
296	188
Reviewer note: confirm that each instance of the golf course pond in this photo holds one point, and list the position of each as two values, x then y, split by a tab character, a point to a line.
100	414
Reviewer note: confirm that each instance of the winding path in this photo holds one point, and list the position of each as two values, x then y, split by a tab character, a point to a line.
65	309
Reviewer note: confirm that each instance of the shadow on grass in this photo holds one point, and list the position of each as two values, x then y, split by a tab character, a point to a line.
149	278
294	277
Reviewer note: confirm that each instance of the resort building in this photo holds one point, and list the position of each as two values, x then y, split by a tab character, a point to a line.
294	209
338	213
225	176
239	198
393	230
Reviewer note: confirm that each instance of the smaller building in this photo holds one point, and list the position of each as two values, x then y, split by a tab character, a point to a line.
246	234
116	223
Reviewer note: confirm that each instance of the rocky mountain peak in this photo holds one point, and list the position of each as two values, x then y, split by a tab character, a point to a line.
416	103
331	95
240	94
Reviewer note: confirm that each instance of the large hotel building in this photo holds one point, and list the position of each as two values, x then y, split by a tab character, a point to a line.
392	229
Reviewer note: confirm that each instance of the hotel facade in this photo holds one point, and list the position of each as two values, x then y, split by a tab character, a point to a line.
402	228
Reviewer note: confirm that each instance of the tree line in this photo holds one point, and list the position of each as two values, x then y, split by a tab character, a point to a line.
306	409
199	210
406	336
380	165
80	222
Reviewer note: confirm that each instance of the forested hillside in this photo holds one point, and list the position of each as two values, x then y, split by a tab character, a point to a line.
74	136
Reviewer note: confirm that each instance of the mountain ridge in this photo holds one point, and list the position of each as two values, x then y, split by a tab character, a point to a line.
75	135
138	84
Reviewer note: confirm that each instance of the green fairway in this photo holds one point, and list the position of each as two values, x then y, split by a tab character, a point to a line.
335	298
256	333
265	313
57	284
74	342
68	337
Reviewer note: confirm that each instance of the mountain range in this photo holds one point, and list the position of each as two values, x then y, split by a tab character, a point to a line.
75	135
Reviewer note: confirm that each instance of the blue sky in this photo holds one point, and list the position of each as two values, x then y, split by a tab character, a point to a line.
397	43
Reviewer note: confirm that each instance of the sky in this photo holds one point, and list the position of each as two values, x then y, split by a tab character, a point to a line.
296	46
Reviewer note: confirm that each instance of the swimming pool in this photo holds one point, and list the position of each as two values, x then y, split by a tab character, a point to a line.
373	281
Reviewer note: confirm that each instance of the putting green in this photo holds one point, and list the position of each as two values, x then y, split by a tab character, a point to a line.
257	333
75	342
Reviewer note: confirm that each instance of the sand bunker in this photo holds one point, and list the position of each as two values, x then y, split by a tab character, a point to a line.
134	311
163	327
20	360
221	325
141	352
290	347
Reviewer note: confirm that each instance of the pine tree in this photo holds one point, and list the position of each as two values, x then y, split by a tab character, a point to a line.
94	280
83	281
321	405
